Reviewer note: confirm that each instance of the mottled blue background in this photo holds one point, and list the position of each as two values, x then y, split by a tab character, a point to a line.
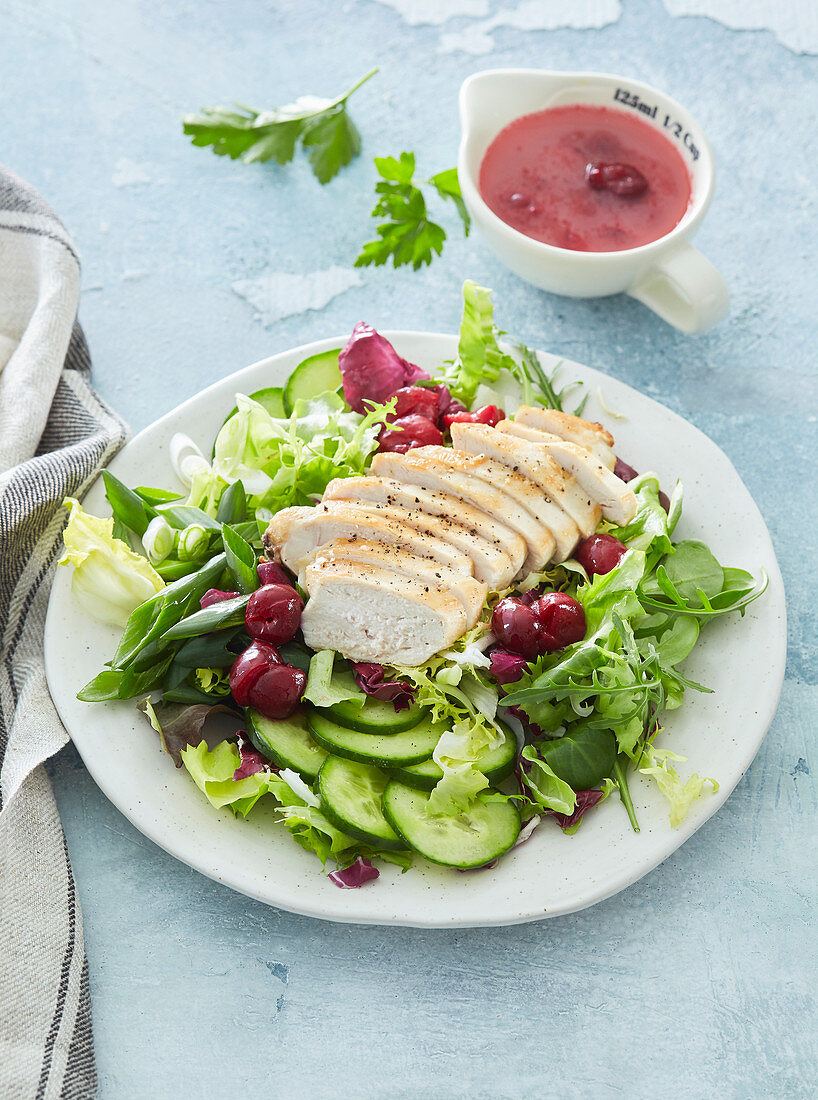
701	978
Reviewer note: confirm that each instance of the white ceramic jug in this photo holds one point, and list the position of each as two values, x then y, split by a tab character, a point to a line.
668	275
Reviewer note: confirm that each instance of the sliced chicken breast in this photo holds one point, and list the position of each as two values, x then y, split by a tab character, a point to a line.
295	533
369	613
471	593
487	560
573	429
530	459
488	485
616	499
496	564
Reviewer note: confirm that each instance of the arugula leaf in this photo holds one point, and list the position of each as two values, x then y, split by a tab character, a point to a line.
323	127
409	236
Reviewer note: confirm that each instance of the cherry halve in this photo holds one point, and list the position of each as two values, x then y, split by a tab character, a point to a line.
600	554
622	180
561	619
278	691
516	627
273	613
269	572
407	432
215	595
415	401
487	414
248	667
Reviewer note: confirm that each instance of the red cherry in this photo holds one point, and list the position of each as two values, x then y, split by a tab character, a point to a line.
416	431
622	180
488	414
277	692
248	667
516	627
561	619
274	613
215	595
600	554
416	401
271	573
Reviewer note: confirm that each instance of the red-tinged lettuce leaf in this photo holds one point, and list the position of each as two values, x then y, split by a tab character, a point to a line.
369	678
372	370
251	761
586	800
181	727
506	667
357	874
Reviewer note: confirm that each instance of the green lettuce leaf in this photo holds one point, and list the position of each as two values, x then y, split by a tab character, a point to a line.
109	579
479	357
680	794
326	686
212	772
547	790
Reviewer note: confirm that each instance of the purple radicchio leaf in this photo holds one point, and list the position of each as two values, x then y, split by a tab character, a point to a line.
586	800
369	678
532	731
506	667
372	370
184	727
251	760
357	874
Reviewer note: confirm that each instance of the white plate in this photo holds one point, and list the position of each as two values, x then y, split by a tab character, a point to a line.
742	659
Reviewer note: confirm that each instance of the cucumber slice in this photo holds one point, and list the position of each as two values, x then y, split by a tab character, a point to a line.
315	375
466	840
375	716
271	398
383	750
286	742
351	795
495	764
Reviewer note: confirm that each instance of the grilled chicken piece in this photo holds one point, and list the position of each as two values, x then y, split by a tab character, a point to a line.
573	429
487	485
487	561
496	564
530	459
471	593
294	533
368	613
601	484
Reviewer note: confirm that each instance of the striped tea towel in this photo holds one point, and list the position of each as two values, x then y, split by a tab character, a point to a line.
55	434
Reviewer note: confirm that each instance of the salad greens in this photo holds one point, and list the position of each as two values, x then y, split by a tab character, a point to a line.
323	126
586	715
408	235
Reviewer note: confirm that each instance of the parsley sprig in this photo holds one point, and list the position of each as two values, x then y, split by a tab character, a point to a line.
323	126
408	235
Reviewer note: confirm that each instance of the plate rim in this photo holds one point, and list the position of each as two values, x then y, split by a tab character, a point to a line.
616	882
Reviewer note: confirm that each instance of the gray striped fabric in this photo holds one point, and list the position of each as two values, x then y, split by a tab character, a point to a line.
55	434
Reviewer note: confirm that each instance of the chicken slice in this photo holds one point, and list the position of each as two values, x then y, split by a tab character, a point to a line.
369	613
573	429
496	489
294	533
495	563
601	484
471	593
530	459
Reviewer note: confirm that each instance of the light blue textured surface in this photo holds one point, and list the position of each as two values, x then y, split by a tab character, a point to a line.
702	977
